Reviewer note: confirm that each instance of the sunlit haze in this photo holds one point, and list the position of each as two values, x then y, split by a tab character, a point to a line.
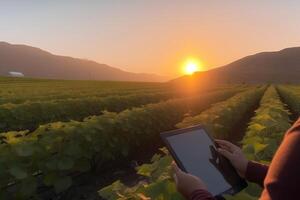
191	66
152	36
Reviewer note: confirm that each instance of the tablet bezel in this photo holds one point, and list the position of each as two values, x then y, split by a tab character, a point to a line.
164	135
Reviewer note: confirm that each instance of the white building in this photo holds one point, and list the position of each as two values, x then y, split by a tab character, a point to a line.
16	74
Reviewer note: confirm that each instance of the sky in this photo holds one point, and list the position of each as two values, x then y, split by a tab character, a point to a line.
152	36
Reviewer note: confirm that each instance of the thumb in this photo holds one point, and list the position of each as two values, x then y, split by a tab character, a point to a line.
176	169
175	179
225	153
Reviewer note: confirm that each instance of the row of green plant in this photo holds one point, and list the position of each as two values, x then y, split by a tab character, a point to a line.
57	150
55	94
222	117
158	183
18	91
30	115
264	134
291	96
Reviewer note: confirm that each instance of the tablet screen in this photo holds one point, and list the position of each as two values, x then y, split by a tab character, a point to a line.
197	155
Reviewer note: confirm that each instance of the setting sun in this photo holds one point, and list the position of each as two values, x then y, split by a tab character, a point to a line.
191	66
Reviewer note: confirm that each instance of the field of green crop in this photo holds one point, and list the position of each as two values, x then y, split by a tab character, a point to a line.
54	132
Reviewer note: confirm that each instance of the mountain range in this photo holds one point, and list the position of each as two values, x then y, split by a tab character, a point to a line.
267	67
37	63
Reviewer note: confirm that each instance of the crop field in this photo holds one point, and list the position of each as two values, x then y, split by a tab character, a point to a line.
84	139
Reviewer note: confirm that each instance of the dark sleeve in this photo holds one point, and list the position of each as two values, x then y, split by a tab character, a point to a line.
256	172
283	178
201	195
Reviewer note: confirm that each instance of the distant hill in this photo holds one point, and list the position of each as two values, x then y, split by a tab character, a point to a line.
34	62
266	67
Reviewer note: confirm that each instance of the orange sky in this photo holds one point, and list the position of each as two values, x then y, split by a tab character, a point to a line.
153	36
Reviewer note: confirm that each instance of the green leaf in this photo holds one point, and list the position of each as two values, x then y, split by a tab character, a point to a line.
72	149
125	151
240	196
248	149
257	127
24	149
62	184
50	178
258	147
65	163
51	164
164	150
28	186
82	165
156	157
146	169
18	172
157	190
112	191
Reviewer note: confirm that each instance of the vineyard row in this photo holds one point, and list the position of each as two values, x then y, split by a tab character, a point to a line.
219	119
59	149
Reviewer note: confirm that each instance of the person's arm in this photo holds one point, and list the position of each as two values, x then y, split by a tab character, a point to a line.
256	172
193	188
283	178
252	171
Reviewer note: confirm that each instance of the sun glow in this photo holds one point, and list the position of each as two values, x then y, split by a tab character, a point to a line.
191	66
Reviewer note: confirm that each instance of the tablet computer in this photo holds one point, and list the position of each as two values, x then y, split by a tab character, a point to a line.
194	151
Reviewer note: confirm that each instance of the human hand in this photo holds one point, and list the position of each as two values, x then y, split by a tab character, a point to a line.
186	183
235	155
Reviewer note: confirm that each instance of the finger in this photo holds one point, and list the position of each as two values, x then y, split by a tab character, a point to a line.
175	179
176	168
225	153
227	144
226	147
224	142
